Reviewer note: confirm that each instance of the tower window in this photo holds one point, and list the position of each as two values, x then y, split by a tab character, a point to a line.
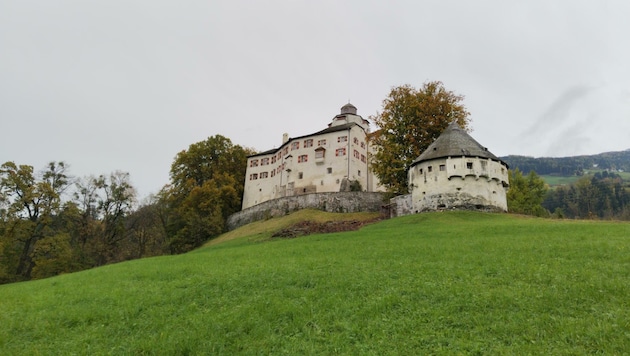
469	165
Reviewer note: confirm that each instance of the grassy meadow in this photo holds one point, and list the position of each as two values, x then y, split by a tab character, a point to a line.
556	180
435	283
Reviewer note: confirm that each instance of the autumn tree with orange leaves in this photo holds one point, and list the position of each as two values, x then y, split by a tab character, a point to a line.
410	120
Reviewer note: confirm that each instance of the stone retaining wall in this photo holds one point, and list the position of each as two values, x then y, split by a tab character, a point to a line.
400	206
339	202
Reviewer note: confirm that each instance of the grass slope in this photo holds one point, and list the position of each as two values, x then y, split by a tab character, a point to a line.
439	283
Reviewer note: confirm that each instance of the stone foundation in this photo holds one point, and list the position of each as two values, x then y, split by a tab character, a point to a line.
338	202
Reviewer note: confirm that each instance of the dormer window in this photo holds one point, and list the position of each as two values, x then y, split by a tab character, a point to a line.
320	152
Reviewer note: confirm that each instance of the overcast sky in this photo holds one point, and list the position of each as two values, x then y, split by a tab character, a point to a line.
125	85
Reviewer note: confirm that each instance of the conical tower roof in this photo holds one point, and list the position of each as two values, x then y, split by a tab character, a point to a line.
455	142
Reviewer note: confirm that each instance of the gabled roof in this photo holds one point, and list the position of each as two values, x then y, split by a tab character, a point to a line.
455	142
330	129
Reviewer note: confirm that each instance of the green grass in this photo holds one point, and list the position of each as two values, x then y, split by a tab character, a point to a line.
437	283
554	181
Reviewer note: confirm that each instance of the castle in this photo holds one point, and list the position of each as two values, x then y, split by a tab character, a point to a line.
455	172
335	159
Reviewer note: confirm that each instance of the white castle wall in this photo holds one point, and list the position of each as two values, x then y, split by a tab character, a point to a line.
314	163
459	182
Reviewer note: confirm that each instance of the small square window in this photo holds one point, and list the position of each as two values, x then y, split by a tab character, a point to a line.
442	167
469	165
329	170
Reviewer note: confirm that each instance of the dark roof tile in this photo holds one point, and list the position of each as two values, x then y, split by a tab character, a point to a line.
455	142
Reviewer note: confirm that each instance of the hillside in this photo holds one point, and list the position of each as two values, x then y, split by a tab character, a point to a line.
435	283
567	166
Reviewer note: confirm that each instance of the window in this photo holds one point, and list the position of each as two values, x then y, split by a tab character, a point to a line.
420	170
264	161
319	153
329	170
264	175
340	152
442	167
356	154
430	169
295	146
342	139
359	173
273	159
273	172
302	158
253	176
362	144
300	175
363	159
321	143
308	143
285	151
484	165
356	141
469	165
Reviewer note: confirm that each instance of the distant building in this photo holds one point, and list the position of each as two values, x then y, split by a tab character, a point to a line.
331	160
456	172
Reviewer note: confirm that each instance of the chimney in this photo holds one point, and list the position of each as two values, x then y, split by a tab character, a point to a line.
285	138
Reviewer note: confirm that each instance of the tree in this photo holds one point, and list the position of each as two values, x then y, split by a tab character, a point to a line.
526	195
207	183
410	120
106	201
29	206
204	159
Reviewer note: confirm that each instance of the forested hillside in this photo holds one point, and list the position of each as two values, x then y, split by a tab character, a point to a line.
595	186
565	166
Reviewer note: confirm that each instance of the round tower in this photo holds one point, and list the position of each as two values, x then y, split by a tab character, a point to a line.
456	172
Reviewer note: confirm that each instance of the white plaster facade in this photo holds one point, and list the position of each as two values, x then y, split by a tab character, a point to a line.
325	161
457	172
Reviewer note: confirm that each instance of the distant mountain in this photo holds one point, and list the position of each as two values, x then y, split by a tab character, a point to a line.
567	166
